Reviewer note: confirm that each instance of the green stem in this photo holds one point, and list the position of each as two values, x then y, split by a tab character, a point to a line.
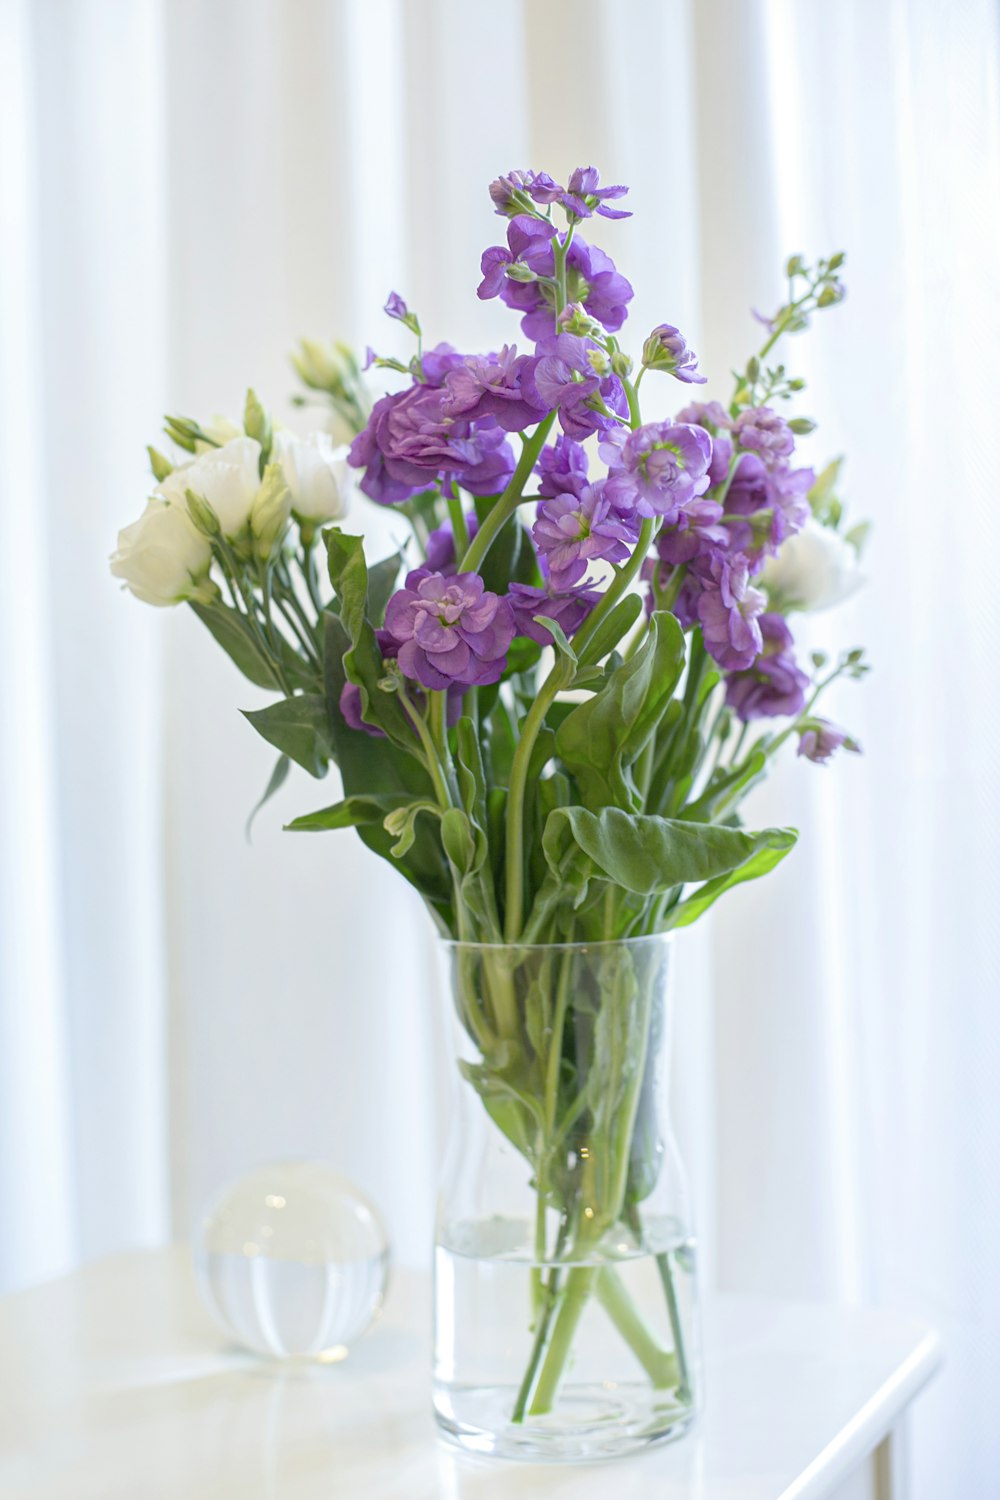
663	1266
557	679
572	1302
661	1365
459	529
508	501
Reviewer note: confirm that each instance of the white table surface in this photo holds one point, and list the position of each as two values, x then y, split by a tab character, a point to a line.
116	1385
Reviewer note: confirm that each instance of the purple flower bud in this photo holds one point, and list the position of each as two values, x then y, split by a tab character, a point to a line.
819	740
666	350
395	307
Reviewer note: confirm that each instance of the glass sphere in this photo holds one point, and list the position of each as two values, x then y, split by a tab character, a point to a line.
292	1260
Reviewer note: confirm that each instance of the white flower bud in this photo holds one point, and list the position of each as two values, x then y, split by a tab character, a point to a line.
228	478
814	570
315	472
163	558
271	509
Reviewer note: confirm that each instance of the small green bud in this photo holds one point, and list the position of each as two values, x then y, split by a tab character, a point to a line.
270	511
518	272
794	266
830	294
182	431
836	261
160	466
796	383
257	424
621	364
819	660
202	514
802	426
598	361
753	369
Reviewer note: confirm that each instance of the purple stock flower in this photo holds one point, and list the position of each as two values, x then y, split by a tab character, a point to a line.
658	468
765	505
563	378
591	278
708	414
412	440
666	350
350	695
585	196
722	457
441	546
572	530
775	684
449	630
568	603
728	607
495	385
696	533
437	363
761	430
820	739
397	308
562	468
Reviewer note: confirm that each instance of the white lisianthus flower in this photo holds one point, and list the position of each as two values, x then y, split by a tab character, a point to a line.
227	477
163	557
315	472
814	570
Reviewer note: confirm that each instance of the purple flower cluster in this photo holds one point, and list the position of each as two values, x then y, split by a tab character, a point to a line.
563	379
449	631
451	425
774	684
591	278
745	502
582	196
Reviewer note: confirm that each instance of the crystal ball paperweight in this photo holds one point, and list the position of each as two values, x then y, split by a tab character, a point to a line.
292	1260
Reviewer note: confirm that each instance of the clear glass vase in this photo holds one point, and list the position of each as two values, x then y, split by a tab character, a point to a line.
565	1313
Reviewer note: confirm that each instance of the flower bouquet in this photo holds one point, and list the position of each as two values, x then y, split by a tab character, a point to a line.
546	709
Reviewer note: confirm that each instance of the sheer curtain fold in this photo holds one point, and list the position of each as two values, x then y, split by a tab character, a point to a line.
189	187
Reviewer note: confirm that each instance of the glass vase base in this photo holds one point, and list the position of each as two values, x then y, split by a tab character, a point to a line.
592	1422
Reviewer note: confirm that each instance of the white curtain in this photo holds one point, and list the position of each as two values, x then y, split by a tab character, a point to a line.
187	187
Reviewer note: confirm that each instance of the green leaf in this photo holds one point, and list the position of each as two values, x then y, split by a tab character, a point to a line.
558	635
352	812
471	771
363	661
601	738
776	843
382	585
298	727
237	637
277	779
649	855
733	782
613	628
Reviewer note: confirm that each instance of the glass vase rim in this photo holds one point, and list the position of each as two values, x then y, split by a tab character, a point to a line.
665	938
